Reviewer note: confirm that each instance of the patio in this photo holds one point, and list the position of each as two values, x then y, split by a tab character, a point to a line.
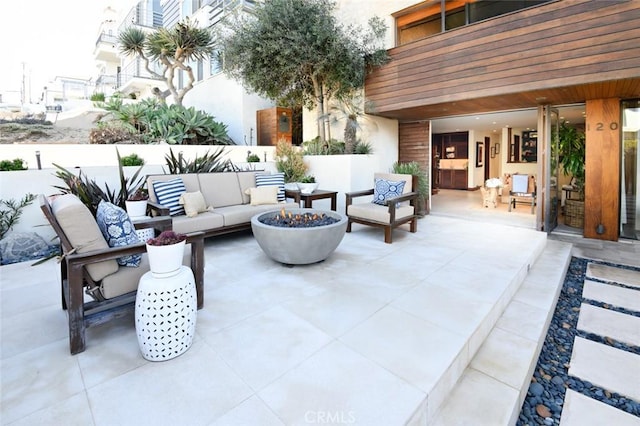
378	334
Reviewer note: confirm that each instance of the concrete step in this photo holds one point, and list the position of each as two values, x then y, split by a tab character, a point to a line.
494	385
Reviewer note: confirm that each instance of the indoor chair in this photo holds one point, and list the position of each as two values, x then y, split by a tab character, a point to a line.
523	190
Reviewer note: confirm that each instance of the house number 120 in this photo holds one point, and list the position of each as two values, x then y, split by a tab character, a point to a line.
600	126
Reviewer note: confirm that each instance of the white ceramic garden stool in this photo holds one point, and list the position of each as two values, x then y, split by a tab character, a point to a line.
166	313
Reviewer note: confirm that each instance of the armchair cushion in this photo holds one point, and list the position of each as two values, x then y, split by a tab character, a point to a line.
118	230
385	189
83	232
377	213
168	194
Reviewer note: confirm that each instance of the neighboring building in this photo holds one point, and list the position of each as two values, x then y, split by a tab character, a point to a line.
213	92
457	58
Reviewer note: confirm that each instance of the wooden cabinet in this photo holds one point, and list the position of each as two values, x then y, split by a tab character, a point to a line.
453	179
450	146
529	150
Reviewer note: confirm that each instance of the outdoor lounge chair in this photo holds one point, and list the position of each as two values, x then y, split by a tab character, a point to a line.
89	265
391	206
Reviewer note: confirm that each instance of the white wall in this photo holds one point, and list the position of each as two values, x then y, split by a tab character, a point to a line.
229	103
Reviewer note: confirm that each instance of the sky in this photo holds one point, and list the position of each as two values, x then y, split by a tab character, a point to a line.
51	38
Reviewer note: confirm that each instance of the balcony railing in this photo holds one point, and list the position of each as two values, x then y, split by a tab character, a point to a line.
219	8
106	38
143	17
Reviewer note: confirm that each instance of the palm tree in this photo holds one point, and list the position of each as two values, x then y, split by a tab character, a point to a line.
172	49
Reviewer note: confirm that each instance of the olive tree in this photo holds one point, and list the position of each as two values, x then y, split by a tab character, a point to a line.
297	53
172	49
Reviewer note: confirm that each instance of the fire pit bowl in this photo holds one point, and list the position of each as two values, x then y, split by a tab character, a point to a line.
294	243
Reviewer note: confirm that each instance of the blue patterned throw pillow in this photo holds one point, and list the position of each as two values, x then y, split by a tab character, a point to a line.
385	189
168	194
275	179
118	230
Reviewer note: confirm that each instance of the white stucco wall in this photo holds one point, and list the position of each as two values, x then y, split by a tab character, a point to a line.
229	103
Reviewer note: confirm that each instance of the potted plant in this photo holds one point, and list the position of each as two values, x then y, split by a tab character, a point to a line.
307	184
136	203
165	253
413	168
571	149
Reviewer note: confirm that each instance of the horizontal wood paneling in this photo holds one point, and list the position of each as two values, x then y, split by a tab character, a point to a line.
414	143
565	51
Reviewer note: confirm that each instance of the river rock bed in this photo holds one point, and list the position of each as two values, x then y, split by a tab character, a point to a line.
545	397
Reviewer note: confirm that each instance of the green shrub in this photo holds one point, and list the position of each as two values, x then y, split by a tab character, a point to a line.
363	148
317	147
414	168
97	97
289	161
132	160
252	158
91	193
174	124
10	211
11	165
205	164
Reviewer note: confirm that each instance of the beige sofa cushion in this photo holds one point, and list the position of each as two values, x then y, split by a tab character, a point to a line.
202	222
234	215
83	232
220	189
377	213
247	180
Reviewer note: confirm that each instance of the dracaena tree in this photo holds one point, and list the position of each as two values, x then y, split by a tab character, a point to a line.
296	53
172	49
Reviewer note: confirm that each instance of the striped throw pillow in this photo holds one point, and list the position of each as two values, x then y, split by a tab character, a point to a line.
275	179
168	194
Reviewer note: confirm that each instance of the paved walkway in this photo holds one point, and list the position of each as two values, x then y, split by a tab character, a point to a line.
613	369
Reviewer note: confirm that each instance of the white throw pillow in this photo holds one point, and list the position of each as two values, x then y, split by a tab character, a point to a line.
194	203
263	195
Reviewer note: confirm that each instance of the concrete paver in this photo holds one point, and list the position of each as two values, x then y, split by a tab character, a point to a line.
613	274
607	367
580	410
613	295
607	323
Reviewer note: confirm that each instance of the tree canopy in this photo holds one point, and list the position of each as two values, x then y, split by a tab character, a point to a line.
172	49
297	53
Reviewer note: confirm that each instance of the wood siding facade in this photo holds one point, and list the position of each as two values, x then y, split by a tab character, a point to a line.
561	52
558	53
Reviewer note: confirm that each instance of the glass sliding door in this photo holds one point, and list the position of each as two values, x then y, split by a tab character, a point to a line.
629	200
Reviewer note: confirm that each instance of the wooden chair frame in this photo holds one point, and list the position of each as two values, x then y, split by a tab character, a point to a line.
412	197
74	279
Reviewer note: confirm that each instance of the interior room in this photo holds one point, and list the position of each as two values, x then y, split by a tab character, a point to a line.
469	150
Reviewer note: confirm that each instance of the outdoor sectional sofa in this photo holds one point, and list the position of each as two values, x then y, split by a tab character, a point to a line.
216	203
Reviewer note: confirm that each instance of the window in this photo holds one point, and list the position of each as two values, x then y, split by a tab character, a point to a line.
416	23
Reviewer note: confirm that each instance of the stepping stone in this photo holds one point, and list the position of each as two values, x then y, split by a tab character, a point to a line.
607	323
613	295
610	368
580	410
613	274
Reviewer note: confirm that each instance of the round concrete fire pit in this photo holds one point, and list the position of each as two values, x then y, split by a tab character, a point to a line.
298	245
